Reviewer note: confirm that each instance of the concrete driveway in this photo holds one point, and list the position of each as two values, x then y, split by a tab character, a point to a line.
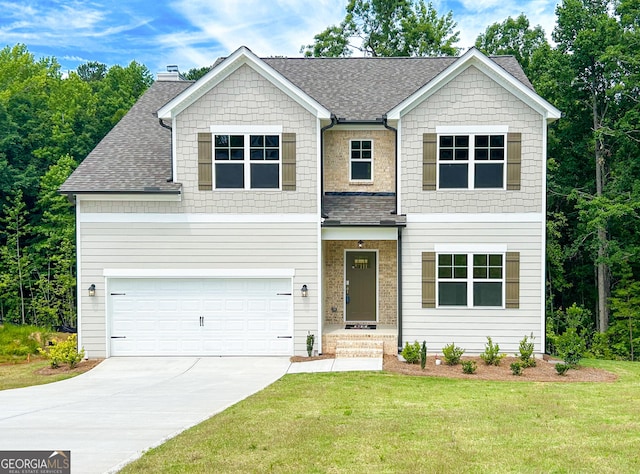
110	415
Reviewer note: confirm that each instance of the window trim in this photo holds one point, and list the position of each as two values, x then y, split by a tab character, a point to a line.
472	132
470	280
246	131
360	160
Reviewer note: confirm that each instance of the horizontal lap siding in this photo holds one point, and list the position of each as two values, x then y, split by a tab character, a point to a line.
197	246
468	328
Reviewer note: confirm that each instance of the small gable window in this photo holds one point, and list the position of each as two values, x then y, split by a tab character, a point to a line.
361	161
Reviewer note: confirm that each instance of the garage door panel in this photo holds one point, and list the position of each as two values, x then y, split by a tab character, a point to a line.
163	316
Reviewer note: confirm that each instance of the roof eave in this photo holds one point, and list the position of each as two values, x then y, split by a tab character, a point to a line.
241	56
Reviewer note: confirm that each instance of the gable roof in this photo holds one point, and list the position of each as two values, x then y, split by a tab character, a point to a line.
135	156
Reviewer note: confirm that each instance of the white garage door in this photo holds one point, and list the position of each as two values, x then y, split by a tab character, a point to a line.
194	317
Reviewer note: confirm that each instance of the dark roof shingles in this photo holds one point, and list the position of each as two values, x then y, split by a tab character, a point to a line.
135	156
349	209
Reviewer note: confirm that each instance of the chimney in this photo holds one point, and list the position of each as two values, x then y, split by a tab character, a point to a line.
172	74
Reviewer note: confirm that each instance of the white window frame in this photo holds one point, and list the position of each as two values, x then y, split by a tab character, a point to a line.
360	160
247	131
471	132
470	280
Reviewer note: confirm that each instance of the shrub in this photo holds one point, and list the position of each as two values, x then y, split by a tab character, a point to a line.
452	354
571	347
516	368
411	352
423	355
491	354
562	368
64	352
310	340
600	346
526	352
469	366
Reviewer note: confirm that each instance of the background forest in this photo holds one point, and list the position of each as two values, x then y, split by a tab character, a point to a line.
590	71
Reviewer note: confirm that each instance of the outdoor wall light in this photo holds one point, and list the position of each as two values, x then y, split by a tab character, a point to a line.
304	291
92	290
360	244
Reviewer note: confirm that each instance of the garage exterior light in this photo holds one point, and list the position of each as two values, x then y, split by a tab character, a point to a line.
304	291
92	290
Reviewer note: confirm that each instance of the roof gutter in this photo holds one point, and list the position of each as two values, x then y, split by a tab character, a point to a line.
334	121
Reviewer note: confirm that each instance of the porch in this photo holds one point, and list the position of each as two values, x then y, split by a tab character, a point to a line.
383	340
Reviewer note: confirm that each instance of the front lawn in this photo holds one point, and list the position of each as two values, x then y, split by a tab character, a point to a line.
383	422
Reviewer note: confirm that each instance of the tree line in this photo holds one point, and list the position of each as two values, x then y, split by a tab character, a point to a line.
591	72
48	123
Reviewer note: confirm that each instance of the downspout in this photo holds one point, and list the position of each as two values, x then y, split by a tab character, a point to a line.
164	125
399	289
399	252
334	121
395	131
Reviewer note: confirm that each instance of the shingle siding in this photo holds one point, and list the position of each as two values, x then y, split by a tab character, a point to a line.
247	98
472	99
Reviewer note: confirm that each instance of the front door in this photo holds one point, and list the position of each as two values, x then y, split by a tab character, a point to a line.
360	286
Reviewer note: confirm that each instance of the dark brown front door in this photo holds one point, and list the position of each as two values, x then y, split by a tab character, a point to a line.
360	285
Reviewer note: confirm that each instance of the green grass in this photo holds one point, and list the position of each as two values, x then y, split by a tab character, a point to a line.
18	375
17	342
381	422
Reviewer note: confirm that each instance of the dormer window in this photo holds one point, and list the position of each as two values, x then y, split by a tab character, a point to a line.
361	160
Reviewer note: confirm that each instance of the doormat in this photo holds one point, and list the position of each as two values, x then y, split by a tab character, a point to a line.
360	326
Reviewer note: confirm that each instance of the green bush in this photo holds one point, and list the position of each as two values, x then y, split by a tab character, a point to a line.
64	352
600	347
516	368
469	366
571	347
310	340
411	352
562	368
452	354
526	352
491	354
423	355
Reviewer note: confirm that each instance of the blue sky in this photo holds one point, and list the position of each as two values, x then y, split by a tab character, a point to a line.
193	33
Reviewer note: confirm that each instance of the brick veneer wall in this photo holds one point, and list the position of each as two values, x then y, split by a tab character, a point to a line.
336	160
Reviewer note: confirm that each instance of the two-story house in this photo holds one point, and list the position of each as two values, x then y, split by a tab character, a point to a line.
390	199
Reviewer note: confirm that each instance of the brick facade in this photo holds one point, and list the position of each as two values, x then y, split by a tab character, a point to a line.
336	160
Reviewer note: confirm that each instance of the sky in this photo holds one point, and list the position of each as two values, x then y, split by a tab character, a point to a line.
194	33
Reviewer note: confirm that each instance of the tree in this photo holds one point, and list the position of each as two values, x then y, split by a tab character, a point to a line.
196	73
385	28
92	71
513	37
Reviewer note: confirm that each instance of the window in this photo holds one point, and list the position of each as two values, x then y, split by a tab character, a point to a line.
470	280
471	161
361	167
247	161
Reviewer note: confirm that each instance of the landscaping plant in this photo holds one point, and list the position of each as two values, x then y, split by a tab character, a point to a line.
516	368
64	352
571	347
526	352
411	352
452	354
310	340
423	355
469	366
491	354
562	368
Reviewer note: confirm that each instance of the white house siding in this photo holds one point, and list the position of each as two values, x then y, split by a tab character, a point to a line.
245	97
111	241
468	328
472	98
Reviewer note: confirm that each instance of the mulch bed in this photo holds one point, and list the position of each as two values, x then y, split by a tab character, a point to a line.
544	371
83	366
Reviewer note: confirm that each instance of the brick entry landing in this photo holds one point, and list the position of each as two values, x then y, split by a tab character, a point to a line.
360	342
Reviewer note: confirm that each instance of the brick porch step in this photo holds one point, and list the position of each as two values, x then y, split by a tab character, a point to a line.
359	348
